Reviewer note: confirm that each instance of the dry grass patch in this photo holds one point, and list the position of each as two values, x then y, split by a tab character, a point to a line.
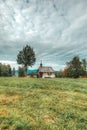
5	99
49	119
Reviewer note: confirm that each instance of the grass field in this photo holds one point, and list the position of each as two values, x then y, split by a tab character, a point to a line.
43	104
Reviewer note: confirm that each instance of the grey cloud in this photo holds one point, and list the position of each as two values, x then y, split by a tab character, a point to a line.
55	29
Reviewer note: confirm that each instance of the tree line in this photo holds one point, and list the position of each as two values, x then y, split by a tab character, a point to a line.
74	68
26	57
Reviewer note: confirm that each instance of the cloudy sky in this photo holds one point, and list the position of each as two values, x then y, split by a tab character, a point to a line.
56	29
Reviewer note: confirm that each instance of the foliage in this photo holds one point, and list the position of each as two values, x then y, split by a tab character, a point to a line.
9	70
5	70
84	64
26	57
43	104
21	72
75	68
59	74
33	74
65	71
13	72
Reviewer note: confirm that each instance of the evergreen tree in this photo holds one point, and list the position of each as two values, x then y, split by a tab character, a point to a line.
13	72
74	67
9	70
0	68
26	57
84	63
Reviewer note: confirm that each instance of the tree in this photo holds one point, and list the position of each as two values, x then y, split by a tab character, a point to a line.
60	74
74	67
26	57
5	70
21	72
0	69
13	72
9	70
84	63
65	72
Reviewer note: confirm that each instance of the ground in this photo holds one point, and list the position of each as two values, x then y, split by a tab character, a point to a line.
43	104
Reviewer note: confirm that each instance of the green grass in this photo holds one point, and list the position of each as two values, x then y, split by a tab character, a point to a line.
43	104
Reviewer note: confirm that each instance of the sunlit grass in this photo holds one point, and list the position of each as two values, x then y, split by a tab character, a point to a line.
43	104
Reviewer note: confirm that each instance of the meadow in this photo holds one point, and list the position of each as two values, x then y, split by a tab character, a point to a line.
43	104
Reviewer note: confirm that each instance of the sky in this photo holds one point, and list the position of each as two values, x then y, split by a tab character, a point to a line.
56	29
